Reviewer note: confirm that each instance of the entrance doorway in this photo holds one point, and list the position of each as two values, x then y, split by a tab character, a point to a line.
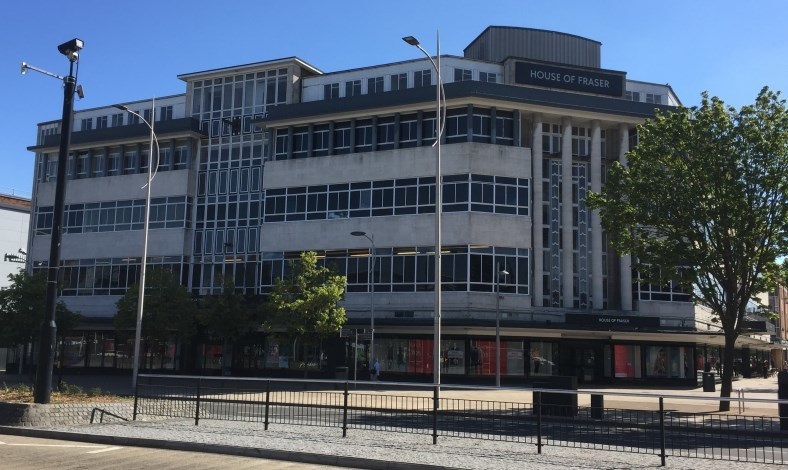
584	361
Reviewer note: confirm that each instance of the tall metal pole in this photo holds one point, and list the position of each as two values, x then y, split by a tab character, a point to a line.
438	201
371	281
46	347
145	231
497	324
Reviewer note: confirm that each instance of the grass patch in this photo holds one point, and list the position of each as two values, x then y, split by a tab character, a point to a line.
68	393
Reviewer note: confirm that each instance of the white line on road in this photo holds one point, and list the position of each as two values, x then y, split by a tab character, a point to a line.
104	450
50	445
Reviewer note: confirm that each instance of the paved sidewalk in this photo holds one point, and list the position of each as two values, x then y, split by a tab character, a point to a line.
388	450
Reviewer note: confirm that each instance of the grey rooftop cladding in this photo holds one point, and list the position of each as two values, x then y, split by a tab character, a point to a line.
466	89
128	132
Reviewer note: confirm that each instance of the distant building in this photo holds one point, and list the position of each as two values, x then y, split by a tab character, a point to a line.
14	226
259	162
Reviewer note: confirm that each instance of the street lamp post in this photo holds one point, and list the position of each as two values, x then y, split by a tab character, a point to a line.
436	373
498	273
371	276
144	261
46	348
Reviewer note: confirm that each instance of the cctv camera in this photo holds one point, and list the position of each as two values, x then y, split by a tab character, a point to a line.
71	48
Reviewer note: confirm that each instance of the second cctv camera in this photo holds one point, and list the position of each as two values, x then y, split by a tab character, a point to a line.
71	48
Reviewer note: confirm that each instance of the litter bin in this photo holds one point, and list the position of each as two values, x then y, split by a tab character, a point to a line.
557	403
708	382
341	373
782	394
597	406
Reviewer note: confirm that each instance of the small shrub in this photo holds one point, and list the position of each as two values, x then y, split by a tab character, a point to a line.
70	389
95	392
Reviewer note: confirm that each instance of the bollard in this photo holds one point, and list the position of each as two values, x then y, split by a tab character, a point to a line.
782	394
597	406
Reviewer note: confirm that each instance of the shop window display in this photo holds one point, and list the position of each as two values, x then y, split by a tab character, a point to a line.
543	358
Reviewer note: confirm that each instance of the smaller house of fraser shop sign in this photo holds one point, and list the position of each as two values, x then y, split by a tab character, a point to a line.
576	79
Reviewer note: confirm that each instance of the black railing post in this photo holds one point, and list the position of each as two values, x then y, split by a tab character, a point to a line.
344	410
197	407
538	405
662	429
136	396
435	406
267	402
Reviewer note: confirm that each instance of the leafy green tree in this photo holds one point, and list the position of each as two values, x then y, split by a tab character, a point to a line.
23	309
306	302
703	199
168	309
228	317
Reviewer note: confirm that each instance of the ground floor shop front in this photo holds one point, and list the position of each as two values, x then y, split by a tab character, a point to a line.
468	354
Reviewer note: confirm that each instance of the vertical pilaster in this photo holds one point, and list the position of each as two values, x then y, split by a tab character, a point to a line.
625	260
567	249
537	181
597	293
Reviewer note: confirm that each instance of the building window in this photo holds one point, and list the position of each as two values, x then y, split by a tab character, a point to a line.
342	138
408	128
320	140
146	115
87	124
281	144
386	136
98	165
456	125
364	135
422	78
300	142
462	75
330	91
375	85
653	98
165	113
353	88
551	138
117	119
82	165
399	81
101	122
114	164
130	161
482	125
581	142
488	77
504	128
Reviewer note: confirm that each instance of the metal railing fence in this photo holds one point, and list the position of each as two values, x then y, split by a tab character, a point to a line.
545	417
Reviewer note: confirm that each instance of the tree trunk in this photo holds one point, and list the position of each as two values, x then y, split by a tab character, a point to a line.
727	371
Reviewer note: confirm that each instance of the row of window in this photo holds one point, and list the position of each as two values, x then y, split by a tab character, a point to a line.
396	82
461	193
411	269
115	161
165	113
466	124
117	216
110	276
248	94
552	135
637	96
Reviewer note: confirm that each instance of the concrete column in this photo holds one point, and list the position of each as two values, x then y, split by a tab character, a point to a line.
353	135
625	260
537	253
331	127
289	142
567	266
597	295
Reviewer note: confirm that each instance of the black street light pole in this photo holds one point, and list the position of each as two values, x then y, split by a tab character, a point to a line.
47	344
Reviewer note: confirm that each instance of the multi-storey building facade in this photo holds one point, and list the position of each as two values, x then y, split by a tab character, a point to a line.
260	162
14	224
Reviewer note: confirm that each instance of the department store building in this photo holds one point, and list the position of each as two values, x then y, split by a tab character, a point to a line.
262	161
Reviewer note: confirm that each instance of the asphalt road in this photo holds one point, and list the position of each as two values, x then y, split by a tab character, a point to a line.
27	453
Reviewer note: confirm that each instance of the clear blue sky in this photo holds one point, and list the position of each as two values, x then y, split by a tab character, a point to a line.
135	50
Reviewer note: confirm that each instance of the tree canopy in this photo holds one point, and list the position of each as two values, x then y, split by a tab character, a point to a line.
702	198
307	300
228	315
168	309
23	309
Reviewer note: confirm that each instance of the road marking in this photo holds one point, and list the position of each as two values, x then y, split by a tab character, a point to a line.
104	450
50	445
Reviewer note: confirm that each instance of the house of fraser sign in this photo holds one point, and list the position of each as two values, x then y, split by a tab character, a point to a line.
598	81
